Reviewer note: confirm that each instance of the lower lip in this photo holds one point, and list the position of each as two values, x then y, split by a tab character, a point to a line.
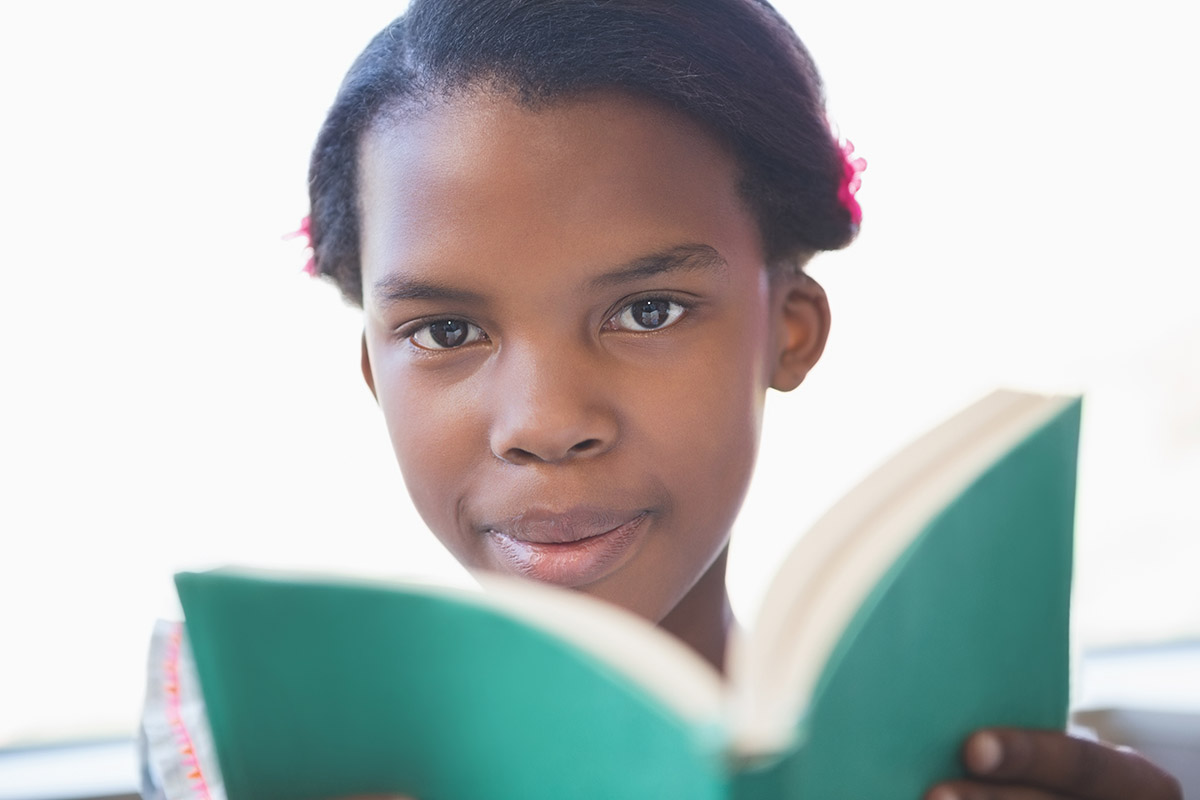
570	564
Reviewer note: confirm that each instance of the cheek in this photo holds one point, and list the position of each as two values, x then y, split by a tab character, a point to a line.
699	437
719	434
706	419
433	430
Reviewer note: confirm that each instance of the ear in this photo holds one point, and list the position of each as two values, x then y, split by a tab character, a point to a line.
801	317
368	376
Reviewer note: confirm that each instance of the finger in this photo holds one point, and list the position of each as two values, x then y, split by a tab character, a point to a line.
965	790
1060	763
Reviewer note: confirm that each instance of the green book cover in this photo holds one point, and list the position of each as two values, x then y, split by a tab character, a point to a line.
932	601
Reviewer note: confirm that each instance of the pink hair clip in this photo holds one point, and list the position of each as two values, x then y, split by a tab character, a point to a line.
305	232
852	170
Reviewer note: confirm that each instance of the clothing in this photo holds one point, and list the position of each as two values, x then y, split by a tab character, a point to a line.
175	745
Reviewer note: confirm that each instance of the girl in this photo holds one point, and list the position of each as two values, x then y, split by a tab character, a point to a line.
578	233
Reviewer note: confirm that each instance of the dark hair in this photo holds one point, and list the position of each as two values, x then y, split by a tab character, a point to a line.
735	66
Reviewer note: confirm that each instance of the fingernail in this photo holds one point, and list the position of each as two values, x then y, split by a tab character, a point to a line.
943	793
986	752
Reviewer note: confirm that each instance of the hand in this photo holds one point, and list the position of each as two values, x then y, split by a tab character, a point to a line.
1012	764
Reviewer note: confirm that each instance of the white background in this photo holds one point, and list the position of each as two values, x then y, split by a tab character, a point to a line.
176	394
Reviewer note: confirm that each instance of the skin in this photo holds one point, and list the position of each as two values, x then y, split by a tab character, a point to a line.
555	402
537	238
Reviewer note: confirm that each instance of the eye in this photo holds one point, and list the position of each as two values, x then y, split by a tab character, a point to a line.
650	314
446	334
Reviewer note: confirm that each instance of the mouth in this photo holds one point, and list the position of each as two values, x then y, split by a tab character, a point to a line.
571	549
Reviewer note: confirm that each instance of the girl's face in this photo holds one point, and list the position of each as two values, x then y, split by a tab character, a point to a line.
570	331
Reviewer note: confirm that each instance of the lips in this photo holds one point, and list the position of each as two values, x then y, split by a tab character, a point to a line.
571	549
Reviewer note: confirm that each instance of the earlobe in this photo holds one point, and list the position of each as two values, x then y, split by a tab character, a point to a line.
802	320
367	374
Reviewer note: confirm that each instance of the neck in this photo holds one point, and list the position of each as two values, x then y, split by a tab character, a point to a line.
703	618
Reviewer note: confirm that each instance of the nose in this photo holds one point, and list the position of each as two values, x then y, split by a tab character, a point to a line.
550	407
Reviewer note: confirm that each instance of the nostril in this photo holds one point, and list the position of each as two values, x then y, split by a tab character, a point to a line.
585	445
518	456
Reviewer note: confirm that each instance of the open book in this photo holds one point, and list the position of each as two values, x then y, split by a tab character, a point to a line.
931	601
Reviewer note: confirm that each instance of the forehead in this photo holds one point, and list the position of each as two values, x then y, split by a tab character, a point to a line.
584	182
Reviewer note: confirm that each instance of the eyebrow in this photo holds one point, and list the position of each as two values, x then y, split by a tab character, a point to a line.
700	257
399	288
